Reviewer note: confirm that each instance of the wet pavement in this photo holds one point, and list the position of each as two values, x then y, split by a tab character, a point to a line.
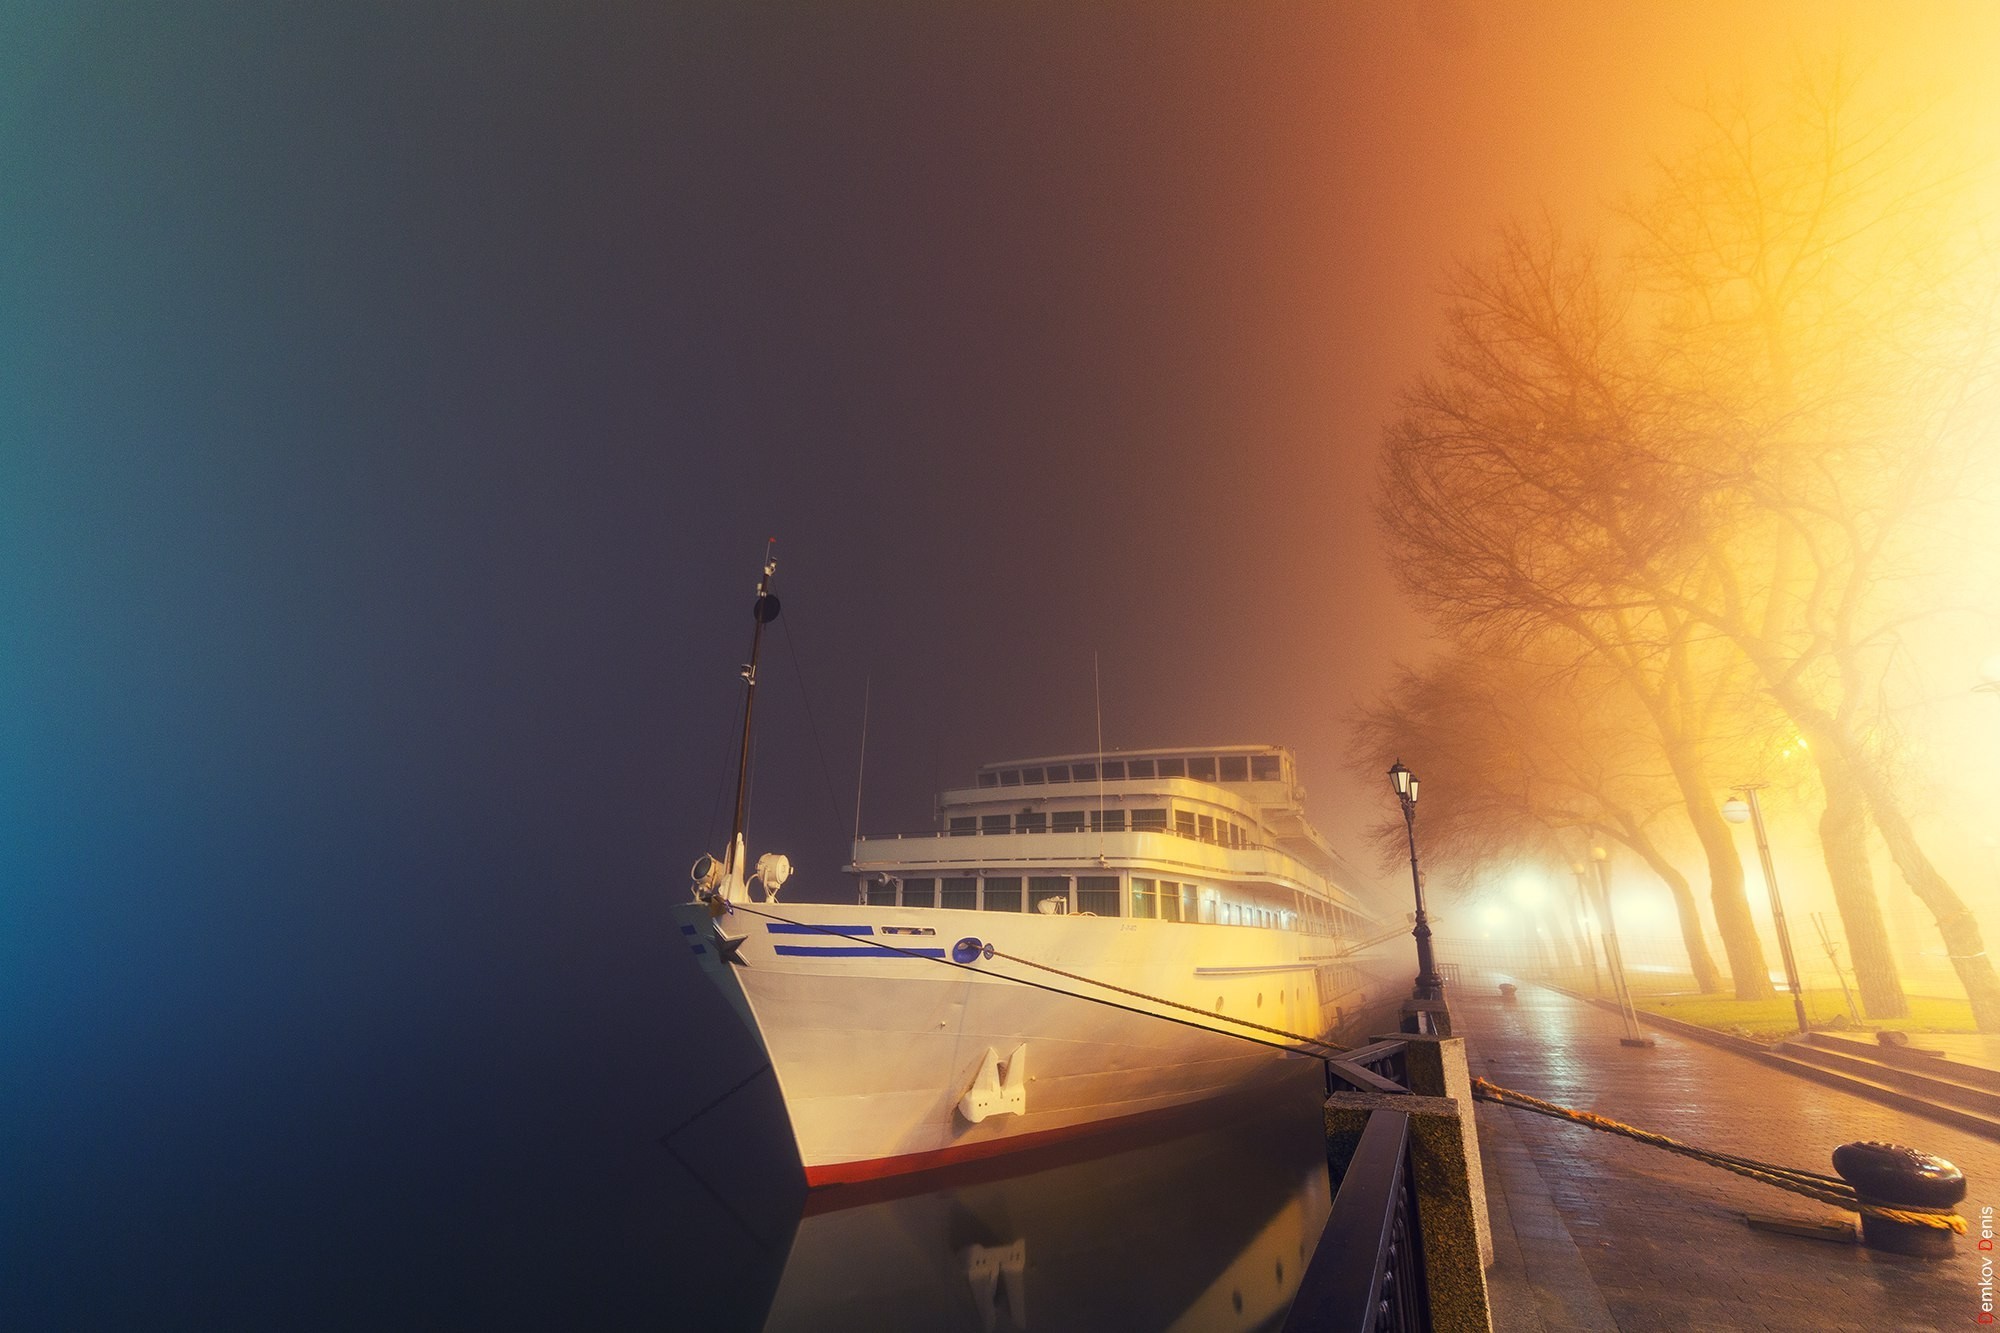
1594	1231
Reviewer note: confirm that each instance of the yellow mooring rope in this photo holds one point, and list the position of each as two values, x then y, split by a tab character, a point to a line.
1826	1189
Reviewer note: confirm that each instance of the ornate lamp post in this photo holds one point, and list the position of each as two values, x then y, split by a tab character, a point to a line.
1430	986
1736	809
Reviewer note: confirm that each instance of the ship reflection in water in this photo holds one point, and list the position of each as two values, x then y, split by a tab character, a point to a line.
1205	1226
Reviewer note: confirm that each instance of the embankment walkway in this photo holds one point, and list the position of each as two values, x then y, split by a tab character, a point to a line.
1593	1231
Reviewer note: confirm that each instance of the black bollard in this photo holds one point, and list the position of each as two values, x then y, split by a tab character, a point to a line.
1507	991
1892	1176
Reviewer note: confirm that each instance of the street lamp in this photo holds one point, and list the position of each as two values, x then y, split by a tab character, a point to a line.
1615	957
1430	986
1736	809
1583	928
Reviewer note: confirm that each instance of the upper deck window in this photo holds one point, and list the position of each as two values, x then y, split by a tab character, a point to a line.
1031	777
1173	768
963	826
1003	894
996	823
1083	772
958	894
1114	770
1202	769
1059	773
1031	821
1107	821
1264	768
1010	777
1069	821
1235	768
1139	768
1149	819
989	779
1207	828
1184	823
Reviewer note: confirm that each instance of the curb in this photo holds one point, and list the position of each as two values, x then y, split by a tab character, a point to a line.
1772	1057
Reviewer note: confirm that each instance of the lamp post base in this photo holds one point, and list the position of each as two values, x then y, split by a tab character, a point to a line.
1426	1017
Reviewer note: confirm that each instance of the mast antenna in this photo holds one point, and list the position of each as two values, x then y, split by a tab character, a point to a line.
1097	699
765	611
861	765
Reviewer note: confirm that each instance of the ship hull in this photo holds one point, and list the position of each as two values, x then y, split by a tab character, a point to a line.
876	1038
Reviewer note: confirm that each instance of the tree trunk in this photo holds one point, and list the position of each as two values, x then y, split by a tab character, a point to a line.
1955	922
1747	968
1843	839
1707	977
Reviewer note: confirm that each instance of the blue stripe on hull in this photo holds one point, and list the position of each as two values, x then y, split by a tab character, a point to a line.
864	951
782	928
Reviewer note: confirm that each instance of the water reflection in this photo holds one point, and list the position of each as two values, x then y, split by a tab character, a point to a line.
1206	1226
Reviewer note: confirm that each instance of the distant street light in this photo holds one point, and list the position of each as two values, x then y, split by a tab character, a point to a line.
1989	676
1616	957
1430	986
1736	809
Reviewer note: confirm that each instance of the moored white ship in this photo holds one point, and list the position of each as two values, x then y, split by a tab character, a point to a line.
1083	939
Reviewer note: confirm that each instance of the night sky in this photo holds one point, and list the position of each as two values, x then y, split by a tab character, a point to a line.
395	401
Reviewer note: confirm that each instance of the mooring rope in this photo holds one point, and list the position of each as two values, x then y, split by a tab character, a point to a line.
1826	1189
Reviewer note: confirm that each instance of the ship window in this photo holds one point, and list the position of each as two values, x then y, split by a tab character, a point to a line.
881	893
1202	769
1149	819
959	894
1107	821
1114	770
1010	778
1069	821
1031	777
1042	887
1059	773
920	893
1263	768
1173	768
1145	898
1184	823
1170	901
1031	821
1207	826
996	823
1083	772
1097	893
989	779
963	826
1139	768
1190	907
1235	768
1003	894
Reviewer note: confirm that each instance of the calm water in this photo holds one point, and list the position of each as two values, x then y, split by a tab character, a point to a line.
1203	1224
502	1166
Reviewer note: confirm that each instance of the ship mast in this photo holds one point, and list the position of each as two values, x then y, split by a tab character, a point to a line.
765	611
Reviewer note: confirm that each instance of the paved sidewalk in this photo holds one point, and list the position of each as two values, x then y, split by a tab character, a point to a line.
1594	1231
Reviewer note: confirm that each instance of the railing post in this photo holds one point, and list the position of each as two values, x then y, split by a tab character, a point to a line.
1448	1234
1436	1067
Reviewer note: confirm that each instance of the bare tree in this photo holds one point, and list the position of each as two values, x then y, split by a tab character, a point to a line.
1526	756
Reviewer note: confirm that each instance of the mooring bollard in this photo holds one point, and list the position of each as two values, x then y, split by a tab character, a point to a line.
1890	1175
1507	991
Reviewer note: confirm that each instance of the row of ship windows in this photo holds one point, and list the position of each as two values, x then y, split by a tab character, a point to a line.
1098	895
1187	823
1202	768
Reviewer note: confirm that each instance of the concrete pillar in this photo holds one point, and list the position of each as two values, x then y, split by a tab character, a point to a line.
1437	1068
1450	1222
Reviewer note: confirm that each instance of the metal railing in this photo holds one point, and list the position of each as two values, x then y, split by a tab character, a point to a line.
1366	1276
